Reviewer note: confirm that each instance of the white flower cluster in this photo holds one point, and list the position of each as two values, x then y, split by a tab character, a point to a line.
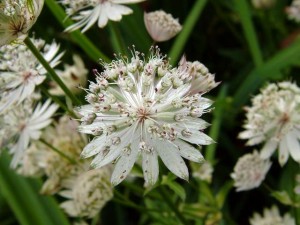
293	11
17	17
22	124
161	26
87	193
144	107
21	72
272	216
89	12
263	4
274	119
249	171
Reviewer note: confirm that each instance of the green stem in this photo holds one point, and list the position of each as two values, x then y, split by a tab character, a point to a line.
242	8
57	101
58	151
90	49
116	40
165	195
186	31
216	124
50	70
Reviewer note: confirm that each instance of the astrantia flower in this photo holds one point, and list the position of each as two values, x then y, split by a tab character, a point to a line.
87	193
40	159
73	77
21	72
161	26
274	119
293	11
202	171
144	107
249	171
17	17
263	4
89	12
272	217
24	123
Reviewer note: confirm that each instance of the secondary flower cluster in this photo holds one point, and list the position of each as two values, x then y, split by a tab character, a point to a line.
293	11
86	191
17	17
143	106
89	12
274	119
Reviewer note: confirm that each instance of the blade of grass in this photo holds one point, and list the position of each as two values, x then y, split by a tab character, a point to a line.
255	79
216	123
186	31
90	49
242	8
24	201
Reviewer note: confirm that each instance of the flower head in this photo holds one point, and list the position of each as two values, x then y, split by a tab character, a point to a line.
202	171
272	216
89	12
22	72
161	26
293	11
73	76
17	17
263	4
87	193
274	118
39	159
249	171
24	123
144	107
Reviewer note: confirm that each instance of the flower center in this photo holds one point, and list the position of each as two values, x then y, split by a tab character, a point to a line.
143	114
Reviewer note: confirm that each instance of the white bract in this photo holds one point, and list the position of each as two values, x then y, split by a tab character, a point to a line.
272	217
21	72
249	171
17	17
24	123
274	119
161	26
293	11
89	12
145	107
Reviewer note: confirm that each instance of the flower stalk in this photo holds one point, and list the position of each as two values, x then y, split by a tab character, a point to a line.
50	70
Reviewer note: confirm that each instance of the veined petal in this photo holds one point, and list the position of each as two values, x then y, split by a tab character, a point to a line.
150	167
293	145
198	138
283	154
268	149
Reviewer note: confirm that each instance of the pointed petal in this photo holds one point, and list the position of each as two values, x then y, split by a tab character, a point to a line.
189	152
268	149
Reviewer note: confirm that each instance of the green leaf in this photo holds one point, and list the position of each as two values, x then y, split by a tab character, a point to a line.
174	186
187	28
284	198
28	206
223	192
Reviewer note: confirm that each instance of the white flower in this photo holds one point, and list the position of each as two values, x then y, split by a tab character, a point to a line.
89	12
87	193
144	107
293	11
203	171
263	4
274	119
272	217
40	159
249	171
73	76
23	124
161	26
17	17
21	72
